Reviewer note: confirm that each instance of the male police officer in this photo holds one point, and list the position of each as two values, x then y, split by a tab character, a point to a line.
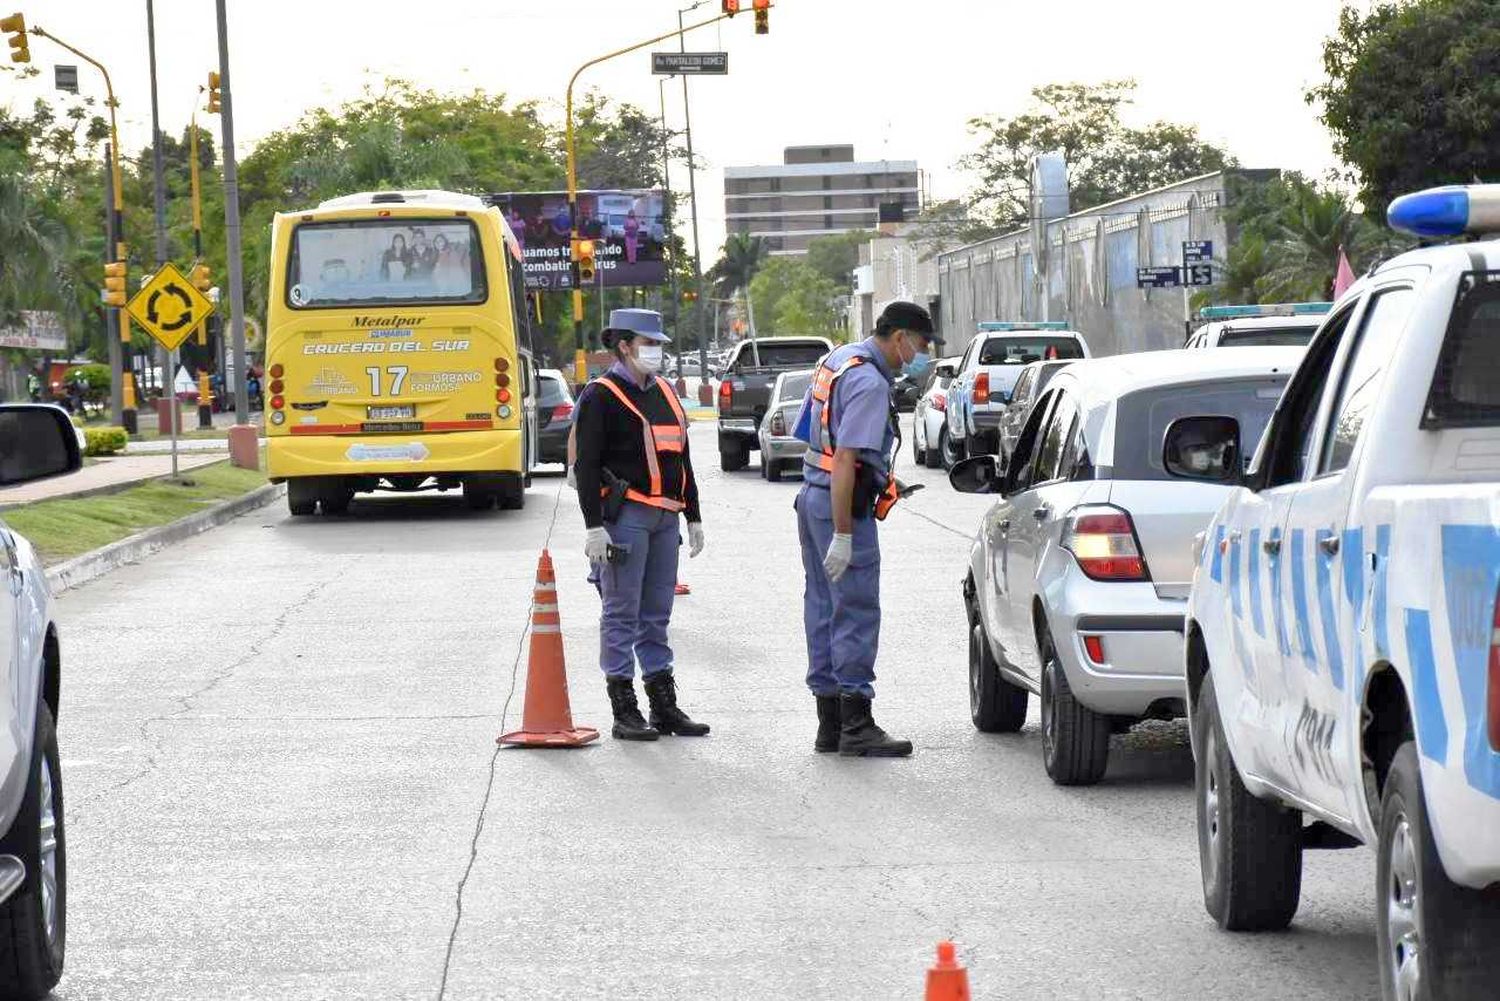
849	423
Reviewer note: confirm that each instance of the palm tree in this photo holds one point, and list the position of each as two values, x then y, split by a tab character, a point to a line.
743	256
1313	228
35	250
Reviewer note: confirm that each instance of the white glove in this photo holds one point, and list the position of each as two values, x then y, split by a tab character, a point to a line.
695	538
840	552
573	477
596	545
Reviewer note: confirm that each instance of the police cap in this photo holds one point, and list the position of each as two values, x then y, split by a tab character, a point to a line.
907	316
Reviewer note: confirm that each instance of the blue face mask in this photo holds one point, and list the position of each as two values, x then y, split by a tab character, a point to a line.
918	366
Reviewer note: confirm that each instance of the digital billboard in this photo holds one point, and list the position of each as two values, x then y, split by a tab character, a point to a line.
627	227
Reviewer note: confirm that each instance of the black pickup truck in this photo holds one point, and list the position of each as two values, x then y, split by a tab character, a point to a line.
745	389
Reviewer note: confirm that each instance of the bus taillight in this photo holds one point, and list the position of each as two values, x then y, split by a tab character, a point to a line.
277	371
502	365
502	396
501	380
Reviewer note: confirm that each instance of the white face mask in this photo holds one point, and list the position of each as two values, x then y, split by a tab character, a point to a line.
648	357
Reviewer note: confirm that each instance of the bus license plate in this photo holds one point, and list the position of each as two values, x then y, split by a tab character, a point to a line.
406	412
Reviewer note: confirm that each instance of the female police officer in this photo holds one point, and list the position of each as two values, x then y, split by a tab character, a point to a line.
850	425
634	478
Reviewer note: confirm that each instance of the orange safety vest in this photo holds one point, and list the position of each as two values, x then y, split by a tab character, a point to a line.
657	439
822	392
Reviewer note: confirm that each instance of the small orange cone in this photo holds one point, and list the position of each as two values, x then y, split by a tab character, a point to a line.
682	588
947	981
547	720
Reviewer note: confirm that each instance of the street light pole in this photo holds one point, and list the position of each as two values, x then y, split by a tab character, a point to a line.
126	415
232	227
666	182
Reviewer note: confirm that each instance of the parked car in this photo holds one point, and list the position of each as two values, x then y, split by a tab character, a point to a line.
779	451
1079	575
1343	632
906	391
1029	387
554	415
1285	324
745	389
930	415
988	372
36	441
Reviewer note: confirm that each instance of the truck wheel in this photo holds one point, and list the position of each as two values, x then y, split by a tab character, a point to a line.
1437	939
1075	739
952	453
302	496
772	468
933	457
735	460
995	705
33	922
1249	850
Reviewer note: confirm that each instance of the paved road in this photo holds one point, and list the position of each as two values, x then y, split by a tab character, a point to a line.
278	743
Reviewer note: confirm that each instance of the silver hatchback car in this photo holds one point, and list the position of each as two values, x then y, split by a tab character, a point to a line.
1079	575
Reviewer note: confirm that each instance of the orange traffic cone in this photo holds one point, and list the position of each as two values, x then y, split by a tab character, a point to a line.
947	981
681	588
547	720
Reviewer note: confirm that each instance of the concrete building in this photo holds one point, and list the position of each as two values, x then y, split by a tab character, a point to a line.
893	265
816	191
1081	267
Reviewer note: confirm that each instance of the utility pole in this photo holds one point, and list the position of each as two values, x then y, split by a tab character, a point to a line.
232	227
666	183
687	124
111	322
160	185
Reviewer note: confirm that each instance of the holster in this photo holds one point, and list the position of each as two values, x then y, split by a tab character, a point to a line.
614	494
866	492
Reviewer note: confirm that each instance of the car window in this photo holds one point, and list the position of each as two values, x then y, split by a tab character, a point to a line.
1364	373
1255	337
1023	386
1026	444
553	391
793	386
1466	385
1012	350
1142	418
1054	440
781	355
1289	443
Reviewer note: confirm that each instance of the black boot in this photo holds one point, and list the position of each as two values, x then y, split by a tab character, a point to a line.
629	724
860	737
661	690
828	724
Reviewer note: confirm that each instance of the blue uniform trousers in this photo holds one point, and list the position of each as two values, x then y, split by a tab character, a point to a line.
841	620
638	593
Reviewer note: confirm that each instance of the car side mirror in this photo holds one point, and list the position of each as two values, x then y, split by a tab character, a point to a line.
36	441
1205	449
983	474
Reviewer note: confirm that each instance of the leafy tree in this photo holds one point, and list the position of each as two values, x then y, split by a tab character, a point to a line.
953	223
834	257
1412	94
1106	158
791	297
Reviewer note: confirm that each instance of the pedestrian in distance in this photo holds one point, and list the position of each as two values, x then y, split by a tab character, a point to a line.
635	482
849	421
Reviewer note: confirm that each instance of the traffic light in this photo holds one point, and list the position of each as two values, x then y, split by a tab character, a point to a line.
20	52
213	93
689	296
731	7
762	17
201	281
114	284
583	253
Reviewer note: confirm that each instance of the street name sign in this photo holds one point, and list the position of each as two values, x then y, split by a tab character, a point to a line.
65	78
1169	277
690	63
1197	251
168	307
1198	274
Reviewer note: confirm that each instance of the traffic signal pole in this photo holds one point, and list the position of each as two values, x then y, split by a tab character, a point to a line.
580	356
232	228
126	415
704	397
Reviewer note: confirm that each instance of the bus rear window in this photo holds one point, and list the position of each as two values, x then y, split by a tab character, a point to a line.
368	262
1012	350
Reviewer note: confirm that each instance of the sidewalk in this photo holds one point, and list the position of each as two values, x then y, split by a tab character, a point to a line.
103	475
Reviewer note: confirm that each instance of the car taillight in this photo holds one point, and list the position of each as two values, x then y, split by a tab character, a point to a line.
726	396
940	402
1495	677
778	424
561	411
1102	540
982	388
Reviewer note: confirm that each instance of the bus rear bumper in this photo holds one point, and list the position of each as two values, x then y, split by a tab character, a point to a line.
397	455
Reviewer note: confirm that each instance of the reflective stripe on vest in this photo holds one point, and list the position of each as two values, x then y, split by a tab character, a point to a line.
655	439
822	392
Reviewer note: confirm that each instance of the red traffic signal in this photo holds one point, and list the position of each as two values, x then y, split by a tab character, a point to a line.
731	7
762	17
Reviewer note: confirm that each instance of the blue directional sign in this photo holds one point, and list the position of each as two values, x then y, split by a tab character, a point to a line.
1158	277
1198	274
1197	252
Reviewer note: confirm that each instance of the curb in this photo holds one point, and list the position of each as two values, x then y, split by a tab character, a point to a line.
82	569
103	490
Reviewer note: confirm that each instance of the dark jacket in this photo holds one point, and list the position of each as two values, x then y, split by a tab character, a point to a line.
609	436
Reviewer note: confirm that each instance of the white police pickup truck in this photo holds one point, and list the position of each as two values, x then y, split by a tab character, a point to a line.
1343	630
1273	324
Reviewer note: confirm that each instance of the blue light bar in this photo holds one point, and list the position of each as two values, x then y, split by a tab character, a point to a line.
1265	309
1449	211
992	326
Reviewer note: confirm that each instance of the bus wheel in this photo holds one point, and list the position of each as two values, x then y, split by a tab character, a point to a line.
302	496
512	492
479	494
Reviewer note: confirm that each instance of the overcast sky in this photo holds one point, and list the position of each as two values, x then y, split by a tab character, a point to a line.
897	79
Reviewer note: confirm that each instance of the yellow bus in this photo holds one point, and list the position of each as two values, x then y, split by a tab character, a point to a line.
398	352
